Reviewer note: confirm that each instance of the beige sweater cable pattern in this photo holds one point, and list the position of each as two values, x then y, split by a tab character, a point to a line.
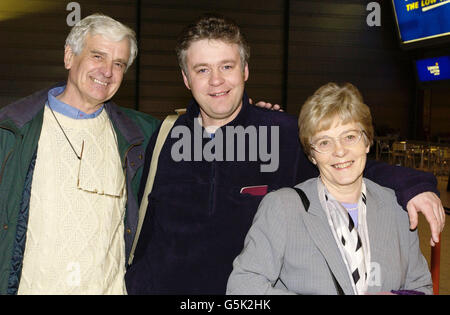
75	242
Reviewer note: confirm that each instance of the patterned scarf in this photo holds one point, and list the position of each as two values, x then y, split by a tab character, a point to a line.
353	243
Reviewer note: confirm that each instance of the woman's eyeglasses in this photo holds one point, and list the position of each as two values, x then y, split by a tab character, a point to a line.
328	144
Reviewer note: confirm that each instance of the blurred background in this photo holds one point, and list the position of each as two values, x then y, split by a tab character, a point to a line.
396	52
296	46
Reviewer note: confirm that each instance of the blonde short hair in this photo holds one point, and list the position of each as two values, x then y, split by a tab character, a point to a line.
327	103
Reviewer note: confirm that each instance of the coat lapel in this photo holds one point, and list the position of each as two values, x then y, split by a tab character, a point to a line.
380	238
380	230
317	225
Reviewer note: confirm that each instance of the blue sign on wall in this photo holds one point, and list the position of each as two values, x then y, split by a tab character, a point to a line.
433	69
422	19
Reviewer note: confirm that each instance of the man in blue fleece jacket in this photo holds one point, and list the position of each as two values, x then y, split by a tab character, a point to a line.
217	163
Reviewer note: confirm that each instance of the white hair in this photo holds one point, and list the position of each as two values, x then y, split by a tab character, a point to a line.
99	24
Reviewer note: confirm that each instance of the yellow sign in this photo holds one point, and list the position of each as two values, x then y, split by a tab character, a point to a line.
11	9
434	70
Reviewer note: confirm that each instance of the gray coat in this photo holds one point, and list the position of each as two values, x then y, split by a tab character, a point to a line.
289	250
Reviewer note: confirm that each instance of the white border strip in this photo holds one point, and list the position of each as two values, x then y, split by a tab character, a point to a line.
434	6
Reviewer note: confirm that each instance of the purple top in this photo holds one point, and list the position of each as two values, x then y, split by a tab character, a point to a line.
352	209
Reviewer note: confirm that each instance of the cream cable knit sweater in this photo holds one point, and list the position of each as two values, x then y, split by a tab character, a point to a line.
75	242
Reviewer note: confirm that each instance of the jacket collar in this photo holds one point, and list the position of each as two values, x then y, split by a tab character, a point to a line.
124	125
318	227
24	110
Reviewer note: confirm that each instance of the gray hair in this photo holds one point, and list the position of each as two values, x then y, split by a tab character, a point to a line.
99	24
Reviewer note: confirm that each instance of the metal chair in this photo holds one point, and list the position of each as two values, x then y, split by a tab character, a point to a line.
399	153
444	161
382	148
414	155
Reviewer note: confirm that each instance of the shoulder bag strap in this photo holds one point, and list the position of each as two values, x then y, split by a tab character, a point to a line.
166	126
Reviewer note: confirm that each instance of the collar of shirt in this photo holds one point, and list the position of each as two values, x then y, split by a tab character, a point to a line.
66	109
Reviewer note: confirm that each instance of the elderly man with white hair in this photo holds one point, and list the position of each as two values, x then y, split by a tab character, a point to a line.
70	165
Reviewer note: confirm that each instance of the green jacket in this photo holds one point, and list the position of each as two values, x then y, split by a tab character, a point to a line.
20	128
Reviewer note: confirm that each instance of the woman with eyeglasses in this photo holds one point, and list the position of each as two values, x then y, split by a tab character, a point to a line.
339	233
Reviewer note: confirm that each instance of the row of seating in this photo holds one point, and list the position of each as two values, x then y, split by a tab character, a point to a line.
425	156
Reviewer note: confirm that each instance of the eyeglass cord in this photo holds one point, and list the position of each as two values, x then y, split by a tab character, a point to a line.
70	143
